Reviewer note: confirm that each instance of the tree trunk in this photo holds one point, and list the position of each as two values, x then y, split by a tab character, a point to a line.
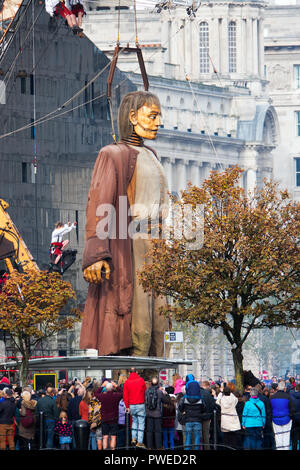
24	371
238	368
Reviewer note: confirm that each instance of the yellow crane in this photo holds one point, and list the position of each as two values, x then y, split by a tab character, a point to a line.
13	250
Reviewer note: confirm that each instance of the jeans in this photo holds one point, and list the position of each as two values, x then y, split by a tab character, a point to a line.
282	435
253	438
138	414
92	441
193	428
168	436
49	432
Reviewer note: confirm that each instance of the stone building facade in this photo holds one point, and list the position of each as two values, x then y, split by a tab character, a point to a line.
282	70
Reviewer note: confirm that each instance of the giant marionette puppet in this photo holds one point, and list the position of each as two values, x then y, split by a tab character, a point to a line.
128	189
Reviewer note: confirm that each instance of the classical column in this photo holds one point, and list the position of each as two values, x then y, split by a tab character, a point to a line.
181	175
261	55
205	170
249	47
255	46
167	164
194	173
248	158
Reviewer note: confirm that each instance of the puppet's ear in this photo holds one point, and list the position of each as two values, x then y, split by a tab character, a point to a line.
133	117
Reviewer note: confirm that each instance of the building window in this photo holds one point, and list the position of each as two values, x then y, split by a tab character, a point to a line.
297	113
204	47
232	46
297	76
297	172
23	85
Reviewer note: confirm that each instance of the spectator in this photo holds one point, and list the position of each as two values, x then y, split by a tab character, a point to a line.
62	400
48	406
178	386
295	435
155	396
7	412
4	383
193	406
168	423
27	422
239	409
64	430
84	405
282	407
291	385
253	421
73	408
109	400
179	427
207	416
121	424
230	423
95	420
134	399
268	438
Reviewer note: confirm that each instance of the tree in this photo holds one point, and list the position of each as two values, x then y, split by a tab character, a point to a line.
31	310
245	276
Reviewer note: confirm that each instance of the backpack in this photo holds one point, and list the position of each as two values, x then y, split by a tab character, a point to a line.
28	420
152	398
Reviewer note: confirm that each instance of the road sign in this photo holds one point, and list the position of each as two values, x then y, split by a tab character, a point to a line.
163	374
173	336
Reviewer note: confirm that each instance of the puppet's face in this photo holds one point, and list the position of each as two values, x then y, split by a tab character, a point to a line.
146	121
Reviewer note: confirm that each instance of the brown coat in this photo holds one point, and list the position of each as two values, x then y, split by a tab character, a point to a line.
29	432
106	323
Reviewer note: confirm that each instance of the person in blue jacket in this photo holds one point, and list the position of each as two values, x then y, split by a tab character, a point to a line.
253	421
282	415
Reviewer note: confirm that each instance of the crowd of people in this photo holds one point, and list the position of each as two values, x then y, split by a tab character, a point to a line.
186	414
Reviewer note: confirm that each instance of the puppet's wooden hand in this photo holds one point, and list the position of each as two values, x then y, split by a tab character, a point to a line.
97	272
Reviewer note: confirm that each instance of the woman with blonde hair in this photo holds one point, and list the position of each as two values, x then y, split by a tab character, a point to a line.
27	422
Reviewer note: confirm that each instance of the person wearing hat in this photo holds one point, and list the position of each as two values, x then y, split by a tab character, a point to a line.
253	421
194	406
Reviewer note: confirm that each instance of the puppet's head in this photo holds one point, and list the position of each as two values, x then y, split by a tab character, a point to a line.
140	114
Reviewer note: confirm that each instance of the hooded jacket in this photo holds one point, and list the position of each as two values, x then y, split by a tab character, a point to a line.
134	390
194	403
254	413
229	417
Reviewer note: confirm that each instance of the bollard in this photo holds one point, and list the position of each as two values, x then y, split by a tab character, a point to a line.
215	429
127	429
41	420
81	434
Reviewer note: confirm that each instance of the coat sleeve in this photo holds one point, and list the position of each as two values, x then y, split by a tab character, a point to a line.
100	210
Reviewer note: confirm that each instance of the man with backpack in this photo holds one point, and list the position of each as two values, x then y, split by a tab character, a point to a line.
193	408
155	396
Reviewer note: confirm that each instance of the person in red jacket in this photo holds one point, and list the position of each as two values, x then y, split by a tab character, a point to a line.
134	399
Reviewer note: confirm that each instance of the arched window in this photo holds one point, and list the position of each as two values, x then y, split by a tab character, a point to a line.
204	47
232	46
